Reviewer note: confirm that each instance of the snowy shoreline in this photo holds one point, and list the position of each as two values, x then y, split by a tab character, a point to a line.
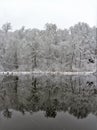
45	72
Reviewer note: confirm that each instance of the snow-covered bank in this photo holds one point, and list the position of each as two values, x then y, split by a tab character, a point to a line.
45	73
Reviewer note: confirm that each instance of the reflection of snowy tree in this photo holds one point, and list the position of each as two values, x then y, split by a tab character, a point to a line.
7	113
49	94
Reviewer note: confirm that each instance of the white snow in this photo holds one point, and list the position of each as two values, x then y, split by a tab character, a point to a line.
45	72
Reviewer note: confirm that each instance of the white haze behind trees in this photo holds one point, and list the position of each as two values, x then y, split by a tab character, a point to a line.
35	13
51	49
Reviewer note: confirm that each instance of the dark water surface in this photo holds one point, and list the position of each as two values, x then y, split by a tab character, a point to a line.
48	103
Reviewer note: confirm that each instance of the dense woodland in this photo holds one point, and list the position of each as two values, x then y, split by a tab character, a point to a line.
51	49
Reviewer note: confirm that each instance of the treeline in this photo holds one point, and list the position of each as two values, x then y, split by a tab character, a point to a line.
50	49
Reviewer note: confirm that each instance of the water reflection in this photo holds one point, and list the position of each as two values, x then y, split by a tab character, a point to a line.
49	95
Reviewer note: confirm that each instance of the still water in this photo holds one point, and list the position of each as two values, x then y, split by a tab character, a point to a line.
48	103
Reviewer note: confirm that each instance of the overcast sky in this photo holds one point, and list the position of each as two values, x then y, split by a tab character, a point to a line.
36	13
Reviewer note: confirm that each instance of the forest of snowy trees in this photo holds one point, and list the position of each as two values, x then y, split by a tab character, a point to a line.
51	49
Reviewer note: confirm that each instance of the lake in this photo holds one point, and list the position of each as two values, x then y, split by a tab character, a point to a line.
48	102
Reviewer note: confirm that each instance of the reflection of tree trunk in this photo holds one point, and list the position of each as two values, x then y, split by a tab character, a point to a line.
7	113
71	84
34	82
49	99
79	85
16	84
49	94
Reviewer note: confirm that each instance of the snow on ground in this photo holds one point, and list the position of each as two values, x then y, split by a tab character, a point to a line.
45	72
